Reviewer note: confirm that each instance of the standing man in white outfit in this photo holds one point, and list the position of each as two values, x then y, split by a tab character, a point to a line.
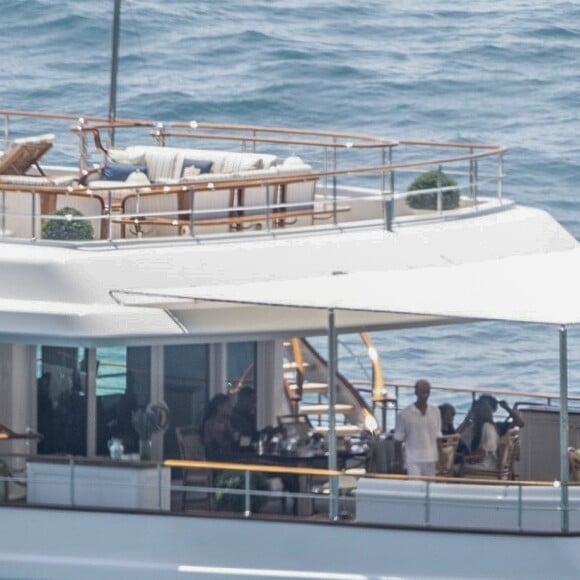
418	427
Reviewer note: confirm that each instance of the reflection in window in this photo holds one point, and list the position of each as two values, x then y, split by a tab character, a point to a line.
241	365
123	385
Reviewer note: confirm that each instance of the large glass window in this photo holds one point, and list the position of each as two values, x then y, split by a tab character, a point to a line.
241	365
62	400
123	385
186	384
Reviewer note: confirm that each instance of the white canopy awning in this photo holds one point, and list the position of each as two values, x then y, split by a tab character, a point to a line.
539	288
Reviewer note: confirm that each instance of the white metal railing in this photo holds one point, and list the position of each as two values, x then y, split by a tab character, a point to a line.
393	499
342	163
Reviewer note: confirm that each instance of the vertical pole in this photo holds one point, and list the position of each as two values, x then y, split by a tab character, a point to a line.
439	192
500	178
91	398
114	68
247	497
564	471
334	193
332	459
159	487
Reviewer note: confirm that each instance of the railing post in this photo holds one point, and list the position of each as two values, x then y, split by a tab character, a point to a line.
428	503
335	215
247	496
473	178
439	192
387	196
3	213
325	169
34	215
110	216
83	149
72	481
191	216
500	178
159	487
268	209
520	507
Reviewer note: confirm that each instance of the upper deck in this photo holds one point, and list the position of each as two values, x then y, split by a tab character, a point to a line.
202	180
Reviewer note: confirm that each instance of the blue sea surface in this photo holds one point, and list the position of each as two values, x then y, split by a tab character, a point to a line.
492	72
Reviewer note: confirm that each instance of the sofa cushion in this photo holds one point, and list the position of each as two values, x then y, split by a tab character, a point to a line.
138	178
126	156
120	171
204	166
237	162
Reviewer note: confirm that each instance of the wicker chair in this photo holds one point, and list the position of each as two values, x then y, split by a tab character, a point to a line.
508	452
447	447
574	464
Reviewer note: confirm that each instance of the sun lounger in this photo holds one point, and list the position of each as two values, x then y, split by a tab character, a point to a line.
24	153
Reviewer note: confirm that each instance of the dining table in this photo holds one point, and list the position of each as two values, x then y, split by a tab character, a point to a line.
301	457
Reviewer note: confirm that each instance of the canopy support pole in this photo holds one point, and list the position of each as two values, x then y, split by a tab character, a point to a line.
332	458
564	469
114	69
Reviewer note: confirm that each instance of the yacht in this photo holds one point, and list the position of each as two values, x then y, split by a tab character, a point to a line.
148	266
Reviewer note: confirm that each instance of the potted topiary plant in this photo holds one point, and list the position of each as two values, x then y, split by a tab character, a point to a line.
69	228
235	502
433	180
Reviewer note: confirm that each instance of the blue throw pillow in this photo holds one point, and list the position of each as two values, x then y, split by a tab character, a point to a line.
120	171
203	165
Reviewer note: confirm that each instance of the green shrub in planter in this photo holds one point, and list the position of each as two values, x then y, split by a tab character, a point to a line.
73	229
428	180
236	502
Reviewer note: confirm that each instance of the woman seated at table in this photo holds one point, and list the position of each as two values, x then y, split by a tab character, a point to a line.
485	440
216	429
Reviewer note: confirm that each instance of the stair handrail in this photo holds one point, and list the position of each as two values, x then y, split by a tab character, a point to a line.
379	389
295	394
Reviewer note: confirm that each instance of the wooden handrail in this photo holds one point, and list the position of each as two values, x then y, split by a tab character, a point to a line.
282	469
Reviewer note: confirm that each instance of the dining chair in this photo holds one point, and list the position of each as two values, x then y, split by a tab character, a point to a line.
574	464
507	454
191	449
446	449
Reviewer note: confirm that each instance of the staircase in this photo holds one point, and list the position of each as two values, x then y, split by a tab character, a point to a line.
305	378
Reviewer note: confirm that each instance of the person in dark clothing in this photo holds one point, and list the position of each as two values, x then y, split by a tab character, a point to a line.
514	419
447	411
244	418
216	429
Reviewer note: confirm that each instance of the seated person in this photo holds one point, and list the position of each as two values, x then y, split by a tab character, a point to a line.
485	440
447	428
216	429
243	419
514	419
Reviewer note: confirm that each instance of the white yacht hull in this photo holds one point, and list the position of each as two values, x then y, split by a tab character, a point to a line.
54	543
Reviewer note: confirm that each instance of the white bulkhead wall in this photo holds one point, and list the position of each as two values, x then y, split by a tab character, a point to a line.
18	389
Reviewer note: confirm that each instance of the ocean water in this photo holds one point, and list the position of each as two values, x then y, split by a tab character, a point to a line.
481	71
